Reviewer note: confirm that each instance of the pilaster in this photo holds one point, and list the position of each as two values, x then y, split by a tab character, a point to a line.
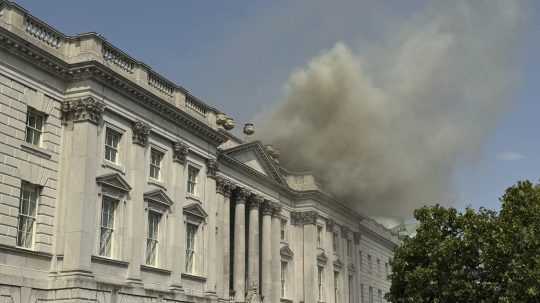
255	202
276	256
240	244
307	220
211	207
266	266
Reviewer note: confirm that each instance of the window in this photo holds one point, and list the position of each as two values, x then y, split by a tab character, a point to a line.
379	296
191	234
351	289
319	236
320	283
152	240
370	264
283	278
193	174
27	215
335	242
34	126
108	208
349	248
336	287
283	230
155	164
112	139
370	294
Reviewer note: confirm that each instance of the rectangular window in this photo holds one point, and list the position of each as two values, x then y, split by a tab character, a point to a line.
370	264
283	278
193	174
191	234
336	287
152	239
351	289
108	208
370	294
155	164
320	283
319	236
34	126
283	230
27	215
112	140
335	242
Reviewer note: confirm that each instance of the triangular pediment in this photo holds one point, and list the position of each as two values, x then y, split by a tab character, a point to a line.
255	156
114	180
195	209
158	196
286	252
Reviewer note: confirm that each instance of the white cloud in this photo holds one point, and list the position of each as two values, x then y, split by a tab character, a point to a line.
509	156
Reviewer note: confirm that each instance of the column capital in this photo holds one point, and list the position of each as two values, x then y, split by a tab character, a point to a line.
180	151
330	224
345	231
276	209
304	218
255	201
141	131
241	195
211	168
224	186
84	109
267	208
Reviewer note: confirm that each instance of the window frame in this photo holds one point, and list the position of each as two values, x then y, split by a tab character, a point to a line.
156	167
192	186
336	287
29	129
283	230
320	236
116	149
284	270
194	255
320	283
156	239
113	237
32	189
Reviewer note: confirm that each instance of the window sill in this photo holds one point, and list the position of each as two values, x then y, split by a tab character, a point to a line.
155	269
157	183
25	251
36	150
107	260
285	300
113	166
193	277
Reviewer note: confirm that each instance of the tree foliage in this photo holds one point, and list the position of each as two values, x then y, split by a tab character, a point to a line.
472	256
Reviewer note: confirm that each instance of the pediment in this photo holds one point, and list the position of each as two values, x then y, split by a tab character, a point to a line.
255	156
196	210
158	196
115	181
286	252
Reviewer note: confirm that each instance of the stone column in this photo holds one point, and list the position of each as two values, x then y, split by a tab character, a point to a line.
137	175
211	206
266	266
276	257
180	151
308	220
80	178
253	243
240	245
228	187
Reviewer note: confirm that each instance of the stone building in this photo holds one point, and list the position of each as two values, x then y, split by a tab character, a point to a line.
117	185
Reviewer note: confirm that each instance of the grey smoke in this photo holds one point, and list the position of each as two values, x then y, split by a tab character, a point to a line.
385	128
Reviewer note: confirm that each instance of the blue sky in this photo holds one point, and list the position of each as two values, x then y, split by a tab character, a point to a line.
238	56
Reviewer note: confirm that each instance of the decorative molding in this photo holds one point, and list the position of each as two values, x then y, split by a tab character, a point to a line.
241	195
141	131
195	210
357	238
267	208
158	196
115	181
338	264
276	212
211	168
255	201
345	231
180	151
224	186
322	259
330	224
84	109
351	268
304	218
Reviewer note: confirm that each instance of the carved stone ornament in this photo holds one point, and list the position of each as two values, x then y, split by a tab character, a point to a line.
241	195
141	131
180	151
276	211
211	168
322	258
255	201
85	109
220	185
304	218
330	225
345	231
267	208
351	268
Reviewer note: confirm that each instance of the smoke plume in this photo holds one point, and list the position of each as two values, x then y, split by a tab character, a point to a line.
385	129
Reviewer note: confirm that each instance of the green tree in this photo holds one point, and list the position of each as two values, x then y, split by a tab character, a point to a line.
472	256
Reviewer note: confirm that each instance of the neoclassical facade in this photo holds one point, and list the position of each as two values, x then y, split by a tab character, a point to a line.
118	186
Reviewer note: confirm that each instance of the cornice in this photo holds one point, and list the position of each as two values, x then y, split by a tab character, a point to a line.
374	235
105	75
